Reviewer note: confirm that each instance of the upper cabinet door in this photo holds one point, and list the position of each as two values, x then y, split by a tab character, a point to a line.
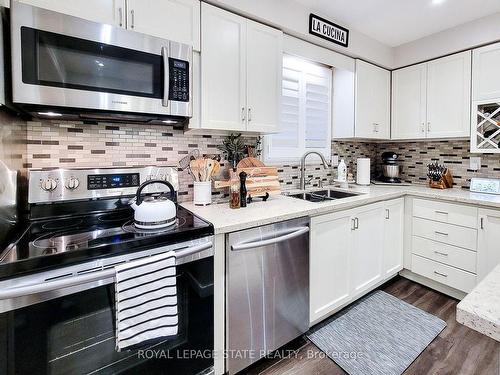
177	20
448	96
486	72
372	103
111	12
264	72
223	70
409	102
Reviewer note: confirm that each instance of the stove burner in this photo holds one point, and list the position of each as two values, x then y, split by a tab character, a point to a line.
131	228
112	217
60	224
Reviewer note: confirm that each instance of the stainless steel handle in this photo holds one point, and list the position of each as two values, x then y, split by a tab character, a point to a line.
422	127
440	253
481	222
243	114
441	212
356	223
166	74
429	126
440	274
249	114
132	18
387	214
282	236
441	233
83	279
120	16
353	223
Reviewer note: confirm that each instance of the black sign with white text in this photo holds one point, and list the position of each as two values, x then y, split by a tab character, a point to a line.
328	30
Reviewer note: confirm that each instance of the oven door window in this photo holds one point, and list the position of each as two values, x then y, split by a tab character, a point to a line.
56	60
75	334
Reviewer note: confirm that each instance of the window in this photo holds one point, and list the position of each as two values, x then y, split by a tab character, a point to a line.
306	104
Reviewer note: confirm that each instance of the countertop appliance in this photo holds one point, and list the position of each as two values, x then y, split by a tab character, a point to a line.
390	168
485	185
267	290
72	68
57	281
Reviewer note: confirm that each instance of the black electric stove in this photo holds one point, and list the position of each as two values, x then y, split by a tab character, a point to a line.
72	221
60	241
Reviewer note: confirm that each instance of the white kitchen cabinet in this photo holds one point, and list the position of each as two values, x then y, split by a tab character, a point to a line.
372	101
393	237
448	96
241	69
367	250
488	248
111	12
177	20
351	252
330	247
409	87
485	73
432	100
264	71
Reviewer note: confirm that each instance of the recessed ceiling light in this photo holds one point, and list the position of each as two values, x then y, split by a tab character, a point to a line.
437	2
50	114
170	122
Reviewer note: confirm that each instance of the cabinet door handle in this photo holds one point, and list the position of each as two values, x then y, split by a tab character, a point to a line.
441	233
387	215
356	223
120	16
422	128
132	19
249	114
481	223
429	126
440	253
441	212
243	114
440	274
353	223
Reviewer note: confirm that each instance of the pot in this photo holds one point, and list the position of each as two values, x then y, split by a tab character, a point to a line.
154	212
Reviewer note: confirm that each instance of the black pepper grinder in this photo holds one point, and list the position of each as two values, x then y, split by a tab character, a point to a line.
243	189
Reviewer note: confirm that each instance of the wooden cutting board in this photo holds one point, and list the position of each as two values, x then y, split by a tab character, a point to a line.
260	180
250	162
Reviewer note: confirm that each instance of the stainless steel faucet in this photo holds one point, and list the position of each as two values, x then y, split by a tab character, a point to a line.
303	167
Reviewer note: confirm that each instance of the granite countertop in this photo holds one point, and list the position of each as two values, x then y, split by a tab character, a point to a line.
480	309
279	207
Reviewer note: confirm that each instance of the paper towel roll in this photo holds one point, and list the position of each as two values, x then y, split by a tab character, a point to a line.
363	171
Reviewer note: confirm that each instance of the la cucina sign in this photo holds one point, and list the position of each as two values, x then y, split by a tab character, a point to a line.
328	30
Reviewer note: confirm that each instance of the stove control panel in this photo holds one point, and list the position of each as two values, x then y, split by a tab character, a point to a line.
46	186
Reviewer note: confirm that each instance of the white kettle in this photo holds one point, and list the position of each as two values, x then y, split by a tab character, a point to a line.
154	212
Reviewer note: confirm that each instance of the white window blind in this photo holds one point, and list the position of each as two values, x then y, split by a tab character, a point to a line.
305	112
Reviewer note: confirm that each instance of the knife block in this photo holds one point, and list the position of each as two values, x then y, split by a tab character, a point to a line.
445	182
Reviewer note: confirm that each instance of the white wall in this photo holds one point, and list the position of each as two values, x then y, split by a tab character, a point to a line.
293	19
472	34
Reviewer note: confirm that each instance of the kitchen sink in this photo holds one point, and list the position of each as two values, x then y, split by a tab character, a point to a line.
323	195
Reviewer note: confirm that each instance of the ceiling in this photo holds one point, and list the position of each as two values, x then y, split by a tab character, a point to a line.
395	22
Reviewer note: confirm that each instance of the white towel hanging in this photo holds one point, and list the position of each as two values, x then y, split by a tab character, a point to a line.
146	300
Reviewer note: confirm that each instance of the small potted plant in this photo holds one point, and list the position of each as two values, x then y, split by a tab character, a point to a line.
233	148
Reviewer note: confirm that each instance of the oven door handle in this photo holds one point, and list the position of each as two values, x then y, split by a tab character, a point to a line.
83	279
166	75
283	235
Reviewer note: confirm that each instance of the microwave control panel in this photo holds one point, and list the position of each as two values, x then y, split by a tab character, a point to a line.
179	80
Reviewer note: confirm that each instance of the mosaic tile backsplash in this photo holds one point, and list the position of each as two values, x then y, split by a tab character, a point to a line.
77	145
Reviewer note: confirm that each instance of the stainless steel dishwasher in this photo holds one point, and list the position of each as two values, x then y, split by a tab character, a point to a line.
267	290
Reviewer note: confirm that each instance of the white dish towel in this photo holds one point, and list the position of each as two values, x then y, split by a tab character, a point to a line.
146	300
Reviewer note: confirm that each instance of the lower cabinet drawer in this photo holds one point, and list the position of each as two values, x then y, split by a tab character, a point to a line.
447	233
443	253
447	275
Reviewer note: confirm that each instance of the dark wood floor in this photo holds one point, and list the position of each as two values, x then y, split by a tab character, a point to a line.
457	349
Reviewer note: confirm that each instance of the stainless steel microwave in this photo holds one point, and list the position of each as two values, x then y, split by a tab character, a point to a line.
95	70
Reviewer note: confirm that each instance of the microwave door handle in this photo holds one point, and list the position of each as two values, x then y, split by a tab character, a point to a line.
83	279
166	75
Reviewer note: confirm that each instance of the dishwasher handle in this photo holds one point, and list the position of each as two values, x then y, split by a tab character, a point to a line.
283	235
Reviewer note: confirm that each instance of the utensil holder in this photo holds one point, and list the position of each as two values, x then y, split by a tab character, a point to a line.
445	182
202	193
